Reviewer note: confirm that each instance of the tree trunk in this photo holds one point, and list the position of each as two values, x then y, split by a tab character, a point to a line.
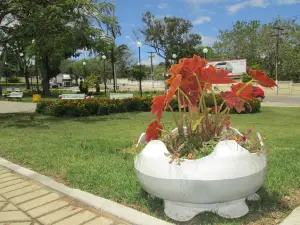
45	82
26	75
166	71
113	68
97	87
141	91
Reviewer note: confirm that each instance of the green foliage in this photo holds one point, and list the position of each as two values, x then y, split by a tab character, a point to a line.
59	28
170	35
13	79
97	106
256	42
94	106
139	73
246	77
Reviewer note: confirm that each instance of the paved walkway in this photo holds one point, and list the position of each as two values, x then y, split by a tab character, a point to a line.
24	202
16	107
293	218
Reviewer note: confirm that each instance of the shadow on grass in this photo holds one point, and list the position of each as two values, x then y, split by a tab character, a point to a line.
29	122
260	212
23	120
91	119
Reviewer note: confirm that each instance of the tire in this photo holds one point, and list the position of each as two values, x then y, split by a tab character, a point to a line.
260	98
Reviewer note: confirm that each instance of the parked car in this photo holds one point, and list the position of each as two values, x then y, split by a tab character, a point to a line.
224	65
258	93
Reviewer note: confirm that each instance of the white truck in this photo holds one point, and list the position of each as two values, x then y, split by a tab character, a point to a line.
61	80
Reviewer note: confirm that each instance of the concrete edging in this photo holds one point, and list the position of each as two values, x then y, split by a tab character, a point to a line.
107	206
293	218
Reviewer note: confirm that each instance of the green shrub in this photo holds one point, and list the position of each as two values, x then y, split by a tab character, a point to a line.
97	106
13	79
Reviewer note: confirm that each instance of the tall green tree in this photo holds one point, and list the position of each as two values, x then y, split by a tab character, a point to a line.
257	43
59	28
170	35
239	42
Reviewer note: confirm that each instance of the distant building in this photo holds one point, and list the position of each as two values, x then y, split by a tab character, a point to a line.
62	80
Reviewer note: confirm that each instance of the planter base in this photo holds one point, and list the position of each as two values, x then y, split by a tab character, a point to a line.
186	211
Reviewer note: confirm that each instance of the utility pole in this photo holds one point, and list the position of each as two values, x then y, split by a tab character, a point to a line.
277	35
152	71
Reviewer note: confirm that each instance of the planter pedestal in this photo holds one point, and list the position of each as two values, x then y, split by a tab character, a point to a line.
185	211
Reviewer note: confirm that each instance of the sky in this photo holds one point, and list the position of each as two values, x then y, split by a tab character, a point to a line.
207	16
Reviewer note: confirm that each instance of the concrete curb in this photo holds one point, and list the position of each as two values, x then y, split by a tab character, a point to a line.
107	206
293	218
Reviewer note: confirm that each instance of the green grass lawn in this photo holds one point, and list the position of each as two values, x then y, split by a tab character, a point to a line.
85	153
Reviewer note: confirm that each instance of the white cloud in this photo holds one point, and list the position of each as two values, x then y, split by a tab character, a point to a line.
208	40
288	2
201	20
236	7
163	6
127	37
251	3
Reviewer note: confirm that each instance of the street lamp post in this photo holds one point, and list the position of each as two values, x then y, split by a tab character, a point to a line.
5	71
84	71
174	56
0	69
34	63
139	44
205	51
105	86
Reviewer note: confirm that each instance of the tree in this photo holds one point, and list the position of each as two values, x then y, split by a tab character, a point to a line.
139	72
256	42
239	42
211	54
59	28
168	36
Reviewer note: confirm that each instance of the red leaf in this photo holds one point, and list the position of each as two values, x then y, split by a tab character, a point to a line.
194	63
173	88
243	90
153	131
233	101
158	103
211	76
262	78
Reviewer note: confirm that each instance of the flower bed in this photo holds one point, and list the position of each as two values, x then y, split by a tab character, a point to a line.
100	107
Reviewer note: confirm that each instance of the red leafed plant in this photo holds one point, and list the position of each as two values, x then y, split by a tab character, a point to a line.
197	124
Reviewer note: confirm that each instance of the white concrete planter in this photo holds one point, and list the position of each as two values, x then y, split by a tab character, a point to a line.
219	182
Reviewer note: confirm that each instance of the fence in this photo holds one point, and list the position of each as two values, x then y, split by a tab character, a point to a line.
284	87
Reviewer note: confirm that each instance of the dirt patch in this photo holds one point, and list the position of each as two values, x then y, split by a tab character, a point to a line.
285	205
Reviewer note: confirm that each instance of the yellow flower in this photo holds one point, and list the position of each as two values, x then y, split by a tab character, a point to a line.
235	138
190	155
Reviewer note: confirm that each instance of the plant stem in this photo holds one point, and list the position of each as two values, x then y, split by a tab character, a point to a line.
173	114
180	114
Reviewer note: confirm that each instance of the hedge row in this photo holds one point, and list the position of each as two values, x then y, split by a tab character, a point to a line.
96	106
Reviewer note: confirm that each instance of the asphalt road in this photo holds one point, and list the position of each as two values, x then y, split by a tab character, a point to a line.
283	101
